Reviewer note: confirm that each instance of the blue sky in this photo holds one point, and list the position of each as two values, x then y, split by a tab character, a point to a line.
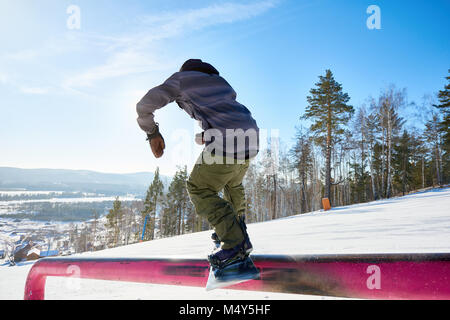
68	96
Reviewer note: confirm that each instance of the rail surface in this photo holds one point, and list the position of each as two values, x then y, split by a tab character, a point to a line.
379	276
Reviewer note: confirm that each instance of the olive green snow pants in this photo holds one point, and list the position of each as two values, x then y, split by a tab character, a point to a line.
205	183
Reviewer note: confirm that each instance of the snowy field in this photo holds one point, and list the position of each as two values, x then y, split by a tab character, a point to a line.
28	193
417	223
12	202
66	200
10	206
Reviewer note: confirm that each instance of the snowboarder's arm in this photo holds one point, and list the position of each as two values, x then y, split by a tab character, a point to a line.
155	99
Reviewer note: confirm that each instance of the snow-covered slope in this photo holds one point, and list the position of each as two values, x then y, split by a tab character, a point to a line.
415	223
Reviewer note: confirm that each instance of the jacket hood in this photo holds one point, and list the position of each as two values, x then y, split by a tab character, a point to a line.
198	65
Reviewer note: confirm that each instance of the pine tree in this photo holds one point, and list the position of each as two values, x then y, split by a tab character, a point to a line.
329	110
114	217
176	205
402	162
433	137
152	199
419	159
182	197
303	163
444	127
167	221
94	228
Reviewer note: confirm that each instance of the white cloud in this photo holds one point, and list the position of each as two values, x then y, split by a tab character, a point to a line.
176	23
119	64
34	90
50	48
130	53
23	55
7	80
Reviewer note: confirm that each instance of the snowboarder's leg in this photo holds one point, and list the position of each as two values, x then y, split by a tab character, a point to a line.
204	184
234	191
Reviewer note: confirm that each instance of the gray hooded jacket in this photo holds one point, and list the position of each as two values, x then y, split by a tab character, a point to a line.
209	99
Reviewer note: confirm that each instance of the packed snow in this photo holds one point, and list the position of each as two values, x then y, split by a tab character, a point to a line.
416	223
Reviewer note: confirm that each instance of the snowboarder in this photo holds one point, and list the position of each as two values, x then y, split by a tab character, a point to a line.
231	138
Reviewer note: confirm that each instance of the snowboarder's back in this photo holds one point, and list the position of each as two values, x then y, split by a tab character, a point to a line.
207	97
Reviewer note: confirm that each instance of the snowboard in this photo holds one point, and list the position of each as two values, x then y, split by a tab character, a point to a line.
237	272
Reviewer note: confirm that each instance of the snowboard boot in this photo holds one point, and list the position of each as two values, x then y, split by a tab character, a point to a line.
224	257
248	247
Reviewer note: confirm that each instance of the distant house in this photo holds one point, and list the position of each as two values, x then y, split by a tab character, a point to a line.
20	252
48	253
33	254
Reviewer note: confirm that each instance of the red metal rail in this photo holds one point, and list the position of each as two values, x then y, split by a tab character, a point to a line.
390	276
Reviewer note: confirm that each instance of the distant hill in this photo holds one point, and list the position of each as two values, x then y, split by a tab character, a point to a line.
76	180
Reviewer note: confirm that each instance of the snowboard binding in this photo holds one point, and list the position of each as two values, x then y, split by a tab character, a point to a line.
231	266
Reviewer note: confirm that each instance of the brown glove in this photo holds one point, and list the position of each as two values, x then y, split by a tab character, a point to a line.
157	143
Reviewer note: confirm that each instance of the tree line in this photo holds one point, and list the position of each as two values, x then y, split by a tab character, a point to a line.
165	212
352	155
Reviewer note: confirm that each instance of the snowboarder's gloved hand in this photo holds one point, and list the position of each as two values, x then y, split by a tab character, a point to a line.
157	143
199	138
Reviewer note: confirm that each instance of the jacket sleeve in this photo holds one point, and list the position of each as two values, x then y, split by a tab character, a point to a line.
155	99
